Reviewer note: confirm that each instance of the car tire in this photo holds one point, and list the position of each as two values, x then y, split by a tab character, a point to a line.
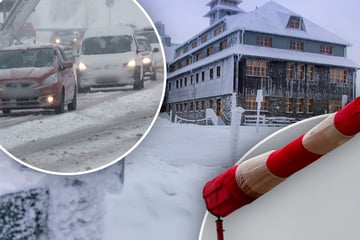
6	111
139	80
61	108
153	75
81	89
72	106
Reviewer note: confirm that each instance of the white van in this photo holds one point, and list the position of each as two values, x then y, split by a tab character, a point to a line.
109	57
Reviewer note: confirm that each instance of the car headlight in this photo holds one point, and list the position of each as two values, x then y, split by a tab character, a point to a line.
146	60
131	63
50	79
82	67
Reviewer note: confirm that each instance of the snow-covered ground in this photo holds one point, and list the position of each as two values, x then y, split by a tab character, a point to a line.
162	194
161	197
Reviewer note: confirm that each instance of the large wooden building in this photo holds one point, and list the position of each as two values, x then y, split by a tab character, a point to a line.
301	68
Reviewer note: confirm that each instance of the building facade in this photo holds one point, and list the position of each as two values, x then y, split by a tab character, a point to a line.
301	68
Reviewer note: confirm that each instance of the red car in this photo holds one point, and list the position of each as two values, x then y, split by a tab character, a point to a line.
36	77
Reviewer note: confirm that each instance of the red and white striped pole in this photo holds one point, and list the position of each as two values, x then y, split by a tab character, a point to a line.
243	183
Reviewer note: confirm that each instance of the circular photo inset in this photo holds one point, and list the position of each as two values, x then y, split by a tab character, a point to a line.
81	82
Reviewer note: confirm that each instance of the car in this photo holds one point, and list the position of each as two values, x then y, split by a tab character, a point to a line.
109	57
147	56
36	77
63	37
154	41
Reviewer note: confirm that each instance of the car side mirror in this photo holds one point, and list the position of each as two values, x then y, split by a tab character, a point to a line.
156	50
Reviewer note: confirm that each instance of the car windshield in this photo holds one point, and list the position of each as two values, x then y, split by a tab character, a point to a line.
24	58
107	45
150	35
144	43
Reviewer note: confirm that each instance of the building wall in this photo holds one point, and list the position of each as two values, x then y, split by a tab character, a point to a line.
278	88
198	89
283	42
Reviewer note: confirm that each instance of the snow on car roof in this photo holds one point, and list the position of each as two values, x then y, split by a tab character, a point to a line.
30	46
109	31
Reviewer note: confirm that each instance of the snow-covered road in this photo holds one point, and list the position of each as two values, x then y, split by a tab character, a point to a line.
103	128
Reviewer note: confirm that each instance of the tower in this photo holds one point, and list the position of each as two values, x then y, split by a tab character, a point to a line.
221	8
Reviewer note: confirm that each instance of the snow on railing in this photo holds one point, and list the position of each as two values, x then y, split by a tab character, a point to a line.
276	121
209	115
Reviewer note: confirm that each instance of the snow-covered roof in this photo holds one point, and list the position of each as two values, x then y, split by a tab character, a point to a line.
212	1
109	31
273	18
169	52
269	53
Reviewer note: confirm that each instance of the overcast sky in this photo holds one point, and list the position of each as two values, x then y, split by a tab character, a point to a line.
184	18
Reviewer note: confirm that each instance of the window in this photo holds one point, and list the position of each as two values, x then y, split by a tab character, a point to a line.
219	29
299	105
301	72
203	105
338	75
223	44
177	53
211	73
202	76
197	105
197	77
169	86
181	83
296	22
297	45
265	41
218	71
265	103
185	49
251	102
177	107
290	71
289	104
209	51
188	61
194	44
185	81
334	105
326	49
197	56
257	68
179	65
310	105
192	79
203	38
177	83
310	73
172	67
211	103
185	107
